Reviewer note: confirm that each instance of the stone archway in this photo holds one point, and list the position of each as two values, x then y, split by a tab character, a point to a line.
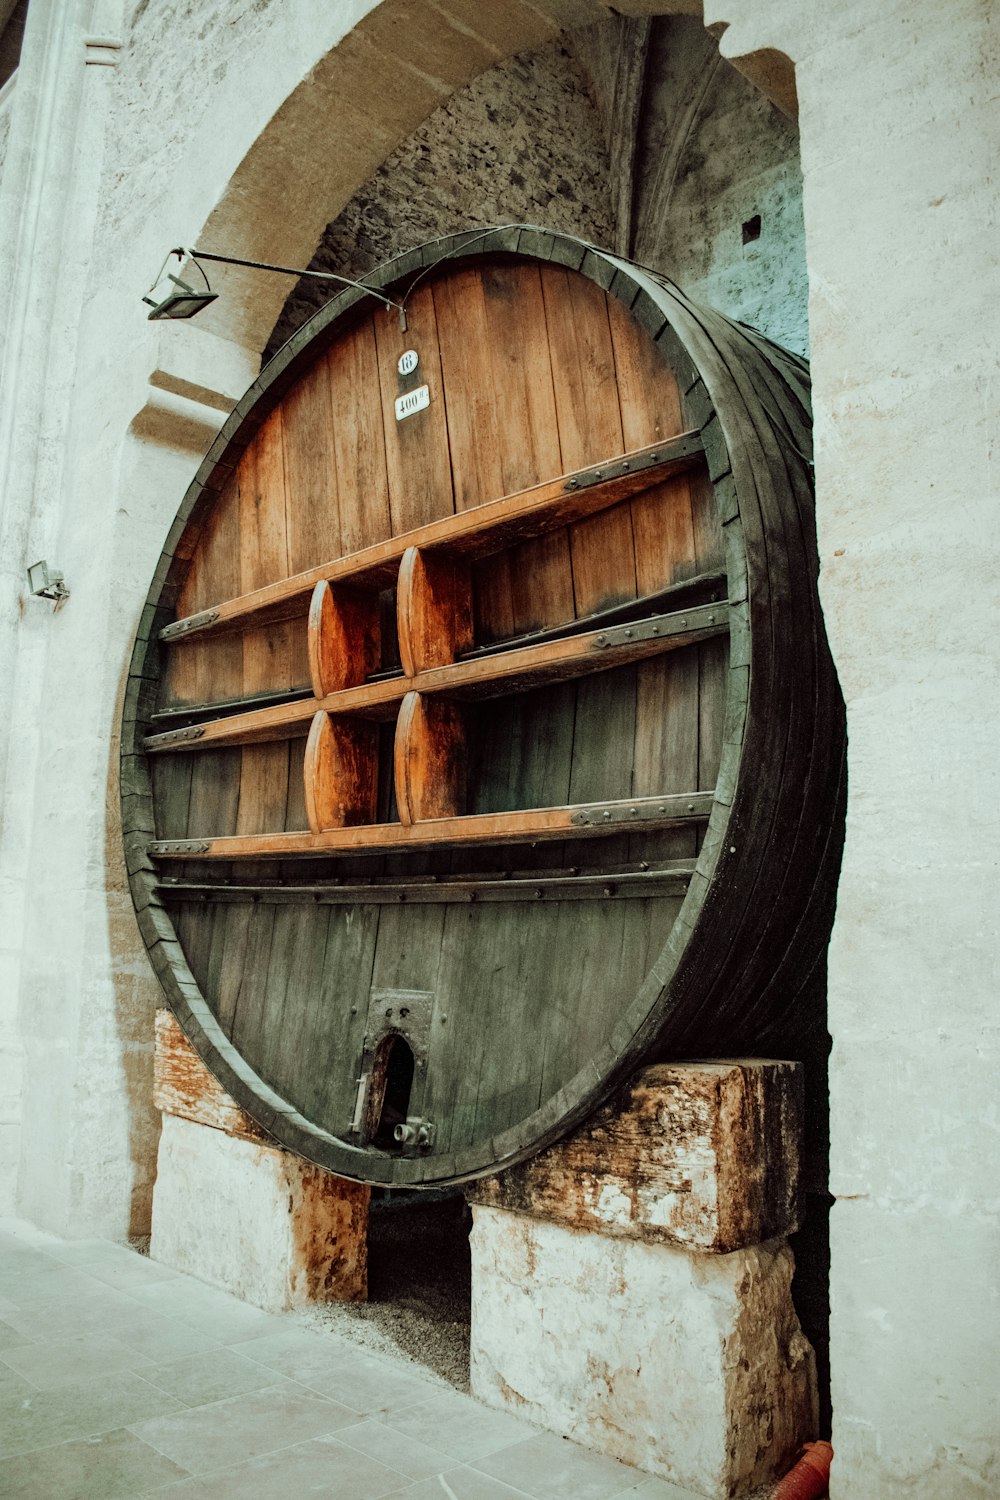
377	81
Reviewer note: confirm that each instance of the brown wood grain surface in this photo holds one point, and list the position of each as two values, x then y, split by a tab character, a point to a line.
416	448
433	610
344	635
484	528
590	429
537	574
430	759
212	669
340	773
512	827
521	668
359	439
437	540
312	509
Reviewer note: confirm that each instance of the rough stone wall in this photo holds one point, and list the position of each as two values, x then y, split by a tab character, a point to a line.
531	140
711	153
717	154
522	143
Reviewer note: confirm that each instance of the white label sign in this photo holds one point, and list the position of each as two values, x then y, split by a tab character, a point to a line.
412	401
408	362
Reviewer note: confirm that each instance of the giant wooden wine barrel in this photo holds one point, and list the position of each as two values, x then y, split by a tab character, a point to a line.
481	740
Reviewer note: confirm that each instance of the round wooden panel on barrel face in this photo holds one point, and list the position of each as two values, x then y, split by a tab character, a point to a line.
432	776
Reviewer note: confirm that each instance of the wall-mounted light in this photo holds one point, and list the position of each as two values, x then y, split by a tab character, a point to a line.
187	303
46	583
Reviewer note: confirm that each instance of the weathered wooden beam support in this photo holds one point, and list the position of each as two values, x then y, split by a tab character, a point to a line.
493	675
582	820
703	588
671	879
476	531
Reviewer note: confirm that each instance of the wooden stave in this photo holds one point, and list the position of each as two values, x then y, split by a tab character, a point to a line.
783	855
685	967
782	945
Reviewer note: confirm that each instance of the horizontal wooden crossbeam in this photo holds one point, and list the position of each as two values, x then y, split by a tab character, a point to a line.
481	677
585	820
611	885
476	532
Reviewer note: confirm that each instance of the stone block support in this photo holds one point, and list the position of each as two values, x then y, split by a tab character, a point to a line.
706	1155
236	1210
631	1287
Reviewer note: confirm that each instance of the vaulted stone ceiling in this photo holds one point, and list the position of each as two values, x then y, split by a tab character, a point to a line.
633	134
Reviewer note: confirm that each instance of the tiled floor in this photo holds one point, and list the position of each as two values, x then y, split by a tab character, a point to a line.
120	1378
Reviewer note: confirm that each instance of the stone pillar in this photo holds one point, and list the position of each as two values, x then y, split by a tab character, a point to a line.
631	1286
235	1209
899	139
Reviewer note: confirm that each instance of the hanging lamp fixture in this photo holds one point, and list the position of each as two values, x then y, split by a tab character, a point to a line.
187	301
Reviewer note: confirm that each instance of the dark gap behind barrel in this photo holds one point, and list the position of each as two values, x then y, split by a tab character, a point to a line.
419	1284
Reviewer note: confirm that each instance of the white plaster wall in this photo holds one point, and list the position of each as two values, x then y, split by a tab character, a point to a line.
79	1133
47	202
6	108
899	141
906	338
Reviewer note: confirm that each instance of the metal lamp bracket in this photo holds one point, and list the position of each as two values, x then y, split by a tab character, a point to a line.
47	583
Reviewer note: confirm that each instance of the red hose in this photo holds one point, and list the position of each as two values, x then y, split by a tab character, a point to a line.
810	1478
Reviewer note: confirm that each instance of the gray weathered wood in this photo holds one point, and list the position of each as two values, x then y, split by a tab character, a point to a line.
540	1004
